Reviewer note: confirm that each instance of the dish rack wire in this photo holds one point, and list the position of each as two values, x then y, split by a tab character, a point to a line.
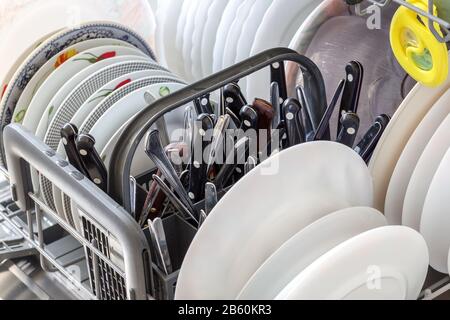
432	19
117	250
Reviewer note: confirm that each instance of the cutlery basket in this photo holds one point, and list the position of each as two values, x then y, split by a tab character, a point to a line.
114	259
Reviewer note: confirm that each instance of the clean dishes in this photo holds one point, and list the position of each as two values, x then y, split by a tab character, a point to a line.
52	47
423	174
234	33
402	125
305	247
434	224
209	35
376	265
249	29
197	36
34	20
52	108
54	63
416	48
188	30
86	87
178	68
59	82
227	19
407	162
166	31
277	29
282	196
109	123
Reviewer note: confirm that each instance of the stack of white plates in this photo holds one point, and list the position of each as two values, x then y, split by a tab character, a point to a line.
301	227
197	38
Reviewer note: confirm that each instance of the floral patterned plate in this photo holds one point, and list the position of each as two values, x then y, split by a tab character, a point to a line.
63	80
53	64
84	88
22	22
52	47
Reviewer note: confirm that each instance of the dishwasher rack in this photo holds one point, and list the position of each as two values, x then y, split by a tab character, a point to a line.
113	247
114	250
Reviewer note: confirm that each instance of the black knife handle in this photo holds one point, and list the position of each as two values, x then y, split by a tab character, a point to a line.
352	89
69	134
350	126
91	160
368	143
234	99
198	166
294	129
203	105
249	117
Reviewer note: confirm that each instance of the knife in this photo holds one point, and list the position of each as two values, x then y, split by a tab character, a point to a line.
325	122
234	158
352	90
294	128
154	203
188	128
234	98
217	144
161	236
156	153
69	135
210	197
198	174
370	140
349	130
91	161
308	124
275	101
203	105
157	248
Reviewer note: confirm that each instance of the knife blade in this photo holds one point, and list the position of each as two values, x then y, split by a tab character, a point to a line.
156	153
211	198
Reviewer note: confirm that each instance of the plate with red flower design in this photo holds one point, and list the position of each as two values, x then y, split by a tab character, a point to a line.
53	64
46	99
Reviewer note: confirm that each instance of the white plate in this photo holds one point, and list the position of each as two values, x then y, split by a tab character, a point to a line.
178	68
376	265
209	35
278	27
266	208
435	222
57	80
423	174
110	119
249	29
234	33
166	31
197	36
227	19
22	22
188	31
78	69
307	246
407	162
84	88
402	125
